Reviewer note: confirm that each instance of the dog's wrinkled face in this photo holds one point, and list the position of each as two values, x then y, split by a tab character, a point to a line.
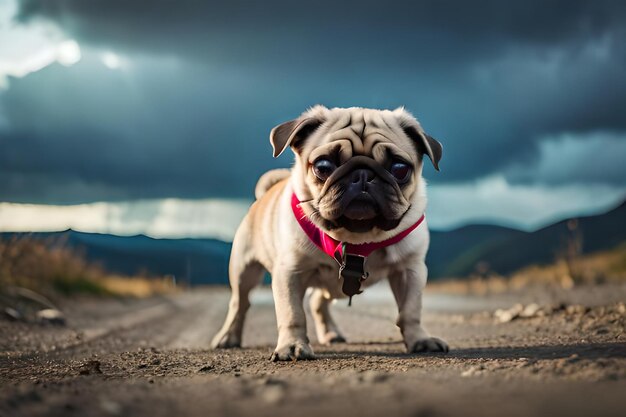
356	168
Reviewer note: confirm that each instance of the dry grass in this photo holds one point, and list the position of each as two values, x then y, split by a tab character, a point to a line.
51	267
602	267
137	286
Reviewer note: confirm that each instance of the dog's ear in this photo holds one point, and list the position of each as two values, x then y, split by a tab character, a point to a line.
292	132
425	144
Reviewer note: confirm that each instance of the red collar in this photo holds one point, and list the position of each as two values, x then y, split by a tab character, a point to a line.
334	248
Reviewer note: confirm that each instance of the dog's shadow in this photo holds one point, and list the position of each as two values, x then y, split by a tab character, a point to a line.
539	352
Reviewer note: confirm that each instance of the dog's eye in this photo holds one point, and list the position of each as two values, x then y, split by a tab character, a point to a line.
322	168
400	171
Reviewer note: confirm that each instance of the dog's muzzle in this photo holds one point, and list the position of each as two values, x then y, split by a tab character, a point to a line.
361	197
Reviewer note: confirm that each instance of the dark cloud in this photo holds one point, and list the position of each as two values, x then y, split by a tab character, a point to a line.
146	133
136	22
206	82
595	158
327	35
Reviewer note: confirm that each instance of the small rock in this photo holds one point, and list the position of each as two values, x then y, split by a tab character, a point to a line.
531	310
576	309
206	368
90	368
518	311
11	314
505	316
51	316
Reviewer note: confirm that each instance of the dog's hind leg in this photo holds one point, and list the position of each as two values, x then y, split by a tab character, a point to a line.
325	327
241	283
244	276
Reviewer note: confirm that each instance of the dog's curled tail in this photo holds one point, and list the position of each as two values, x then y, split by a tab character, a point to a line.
268	180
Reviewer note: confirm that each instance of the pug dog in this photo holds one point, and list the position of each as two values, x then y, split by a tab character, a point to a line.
356	186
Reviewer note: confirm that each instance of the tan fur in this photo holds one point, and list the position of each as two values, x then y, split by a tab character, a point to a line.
269	237
268	180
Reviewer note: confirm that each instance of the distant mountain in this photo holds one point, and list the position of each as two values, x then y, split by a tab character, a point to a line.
459	252
455	253
450	252
195	261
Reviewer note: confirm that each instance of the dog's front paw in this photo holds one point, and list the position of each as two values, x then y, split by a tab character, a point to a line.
297	350
225	341
429	344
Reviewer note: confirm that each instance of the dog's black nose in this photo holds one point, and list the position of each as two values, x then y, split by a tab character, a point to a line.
362	176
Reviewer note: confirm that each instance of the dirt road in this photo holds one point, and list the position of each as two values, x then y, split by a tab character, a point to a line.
150	358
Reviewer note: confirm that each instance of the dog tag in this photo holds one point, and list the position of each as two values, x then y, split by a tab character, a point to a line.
352	270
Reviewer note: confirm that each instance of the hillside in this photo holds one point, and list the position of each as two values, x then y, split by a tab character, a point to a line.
449	250
194	261
505	250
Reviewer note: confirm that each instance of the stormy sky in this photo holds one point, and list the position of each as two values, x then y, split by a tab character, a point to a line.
124	101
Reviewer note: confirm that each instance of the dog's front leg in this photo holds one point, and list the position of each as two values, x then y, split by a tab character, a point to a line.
288	288
407	289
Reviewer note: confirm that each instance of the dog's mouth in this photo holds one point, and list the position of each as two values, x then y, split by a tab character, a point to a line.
362	214
362	208
366	225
